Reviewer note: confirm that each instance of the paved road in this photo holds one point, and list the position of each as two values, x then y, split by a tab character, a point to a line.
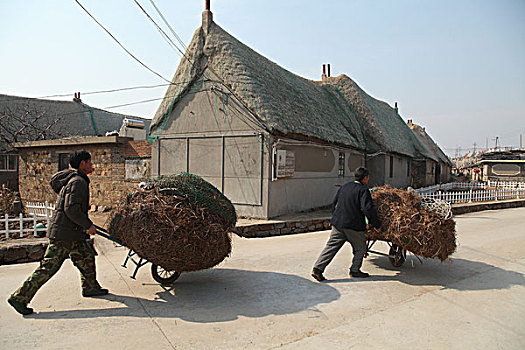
262	297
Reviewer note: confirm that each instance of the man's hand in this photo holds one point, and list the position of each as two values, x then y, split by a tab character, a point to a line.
92	230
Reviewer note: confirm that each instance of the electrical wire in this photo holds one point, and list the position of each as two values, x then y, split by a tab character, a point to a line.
164	35
168	25
122	46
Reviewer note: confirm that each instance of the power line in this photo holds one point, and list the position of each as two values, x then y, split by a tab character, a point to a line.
122	46
164	35
17	98
168	25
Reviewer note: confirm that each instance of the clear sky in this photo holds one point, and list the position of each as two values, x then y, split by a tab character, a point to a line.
456	67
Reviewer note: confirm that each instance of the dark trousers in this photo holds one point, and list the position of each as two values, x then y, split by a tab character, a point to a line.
337	239
81	253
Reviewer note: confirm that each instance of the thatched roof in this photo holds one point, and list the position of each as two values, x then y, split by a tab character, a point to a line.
282	101
384	128
55	119
335	111
437	154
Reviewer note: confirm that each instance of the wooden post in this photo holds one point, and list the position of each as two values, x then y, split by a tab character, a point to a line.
34	224
6	226
21	225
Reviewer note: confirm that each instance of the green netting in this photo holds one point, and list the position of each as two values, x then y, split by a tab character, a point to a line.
199	191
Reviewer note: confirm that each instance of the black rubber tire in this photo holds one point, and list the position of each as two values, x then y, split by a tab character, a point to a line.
163	276
400	255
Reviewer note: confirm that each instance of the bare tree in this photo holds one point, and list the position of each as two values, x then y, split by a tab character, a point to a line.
23	123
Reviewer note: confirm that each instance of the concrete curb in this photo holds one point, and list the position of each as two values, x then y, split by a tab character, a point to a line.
33	249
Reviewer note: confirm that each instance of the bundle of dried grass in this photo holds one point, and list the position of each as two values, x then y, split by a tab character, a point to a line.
407	225
181	223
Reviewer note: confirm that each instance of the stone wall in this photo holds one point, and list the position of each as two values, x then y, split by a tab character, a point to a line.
108	181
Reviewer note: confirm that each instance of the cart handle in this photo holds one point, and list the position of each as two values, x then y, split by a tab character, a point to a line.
105	234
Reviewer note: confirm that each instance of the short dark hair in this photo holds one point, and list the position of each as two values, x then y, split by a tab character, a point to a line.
78	156
360	173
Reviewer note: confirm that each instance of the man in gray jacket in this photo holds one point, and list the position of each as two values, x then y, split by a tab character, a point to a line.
68	234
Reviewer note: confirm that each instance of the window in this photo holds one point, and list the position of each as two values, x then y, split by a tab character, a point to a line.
506	169
408	167
8	162
63	161
341	171
391	166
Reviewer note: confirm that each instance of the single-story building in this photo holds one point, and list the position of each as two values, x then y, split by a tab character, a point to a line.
434	169
120	163
25	119
271	141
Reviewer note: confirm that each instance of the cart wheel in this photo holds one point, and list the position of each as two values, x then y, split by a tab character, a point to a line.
163	276
399	255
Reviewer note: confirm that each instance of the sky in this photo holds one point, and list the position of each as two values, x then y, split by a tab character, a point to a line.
455	67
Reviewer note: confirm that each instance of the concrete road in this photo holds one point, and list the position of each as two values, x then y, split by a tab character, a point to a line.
262	297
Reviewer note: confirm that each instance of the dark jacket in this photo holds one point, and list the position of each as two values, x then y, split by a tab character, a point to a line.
350	206
71	220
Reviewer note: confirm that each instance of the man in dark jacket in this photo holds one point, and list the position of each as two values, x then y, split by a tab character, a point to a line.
350	206
68	234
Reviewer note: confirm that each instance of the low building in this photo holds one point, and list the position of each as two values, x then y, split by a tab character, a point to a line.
271	141
433	169
508	166
25	119
119	165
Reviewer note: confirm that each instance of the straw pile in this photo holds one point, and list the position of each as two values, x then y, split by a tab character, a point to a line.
407	225
181	223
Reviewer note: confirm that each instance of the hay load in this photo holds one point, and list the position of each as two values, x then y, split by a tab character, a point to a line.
181	223
410	223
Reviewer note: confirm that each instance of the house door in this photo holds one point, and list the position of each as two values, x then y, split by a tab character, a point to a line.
232	163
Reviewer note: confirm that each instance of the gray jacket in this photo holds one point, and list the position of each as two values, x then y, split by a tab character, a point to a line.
71	220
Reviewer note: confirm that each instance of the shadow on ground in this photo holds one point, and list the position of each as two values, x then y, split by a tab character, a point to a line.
216	295
458	274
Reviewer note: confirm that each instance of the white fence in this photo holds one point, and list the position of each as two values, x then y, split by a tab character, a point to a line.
478	192
37	212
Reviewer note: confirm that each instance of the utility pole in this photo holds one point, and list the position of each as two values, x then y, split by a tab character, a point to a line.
486	144
521	138
496	145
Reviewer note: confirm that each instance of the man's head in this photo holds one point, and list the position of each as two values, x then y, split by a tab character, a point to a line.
81	160
361	175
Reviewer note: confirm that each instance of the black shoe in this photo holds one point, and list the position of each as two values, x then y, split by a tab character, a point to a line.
359	274
19	306
318	275
94	292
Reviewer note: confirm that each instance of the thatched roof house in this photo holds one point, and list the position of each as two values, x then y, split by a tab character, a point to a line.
281	101
438	165
310	134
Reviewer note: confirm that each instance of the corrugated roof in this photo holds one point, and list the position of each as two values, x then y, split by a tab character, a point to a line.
62	118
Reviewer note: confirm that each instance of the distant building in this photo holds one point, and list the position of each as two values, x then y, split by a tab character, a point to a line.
503	166
433	169
25	119
119	165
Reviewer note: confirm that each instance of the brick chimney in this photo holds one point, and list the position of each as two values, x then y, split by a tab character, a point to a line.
207	17
323	76
395	107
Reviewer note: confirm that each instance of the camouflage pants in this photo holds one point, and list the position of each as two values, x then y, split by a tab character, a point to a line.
81	253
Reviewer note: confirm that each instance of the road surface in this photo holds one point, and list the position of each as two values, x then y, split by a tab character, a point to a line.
263	297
